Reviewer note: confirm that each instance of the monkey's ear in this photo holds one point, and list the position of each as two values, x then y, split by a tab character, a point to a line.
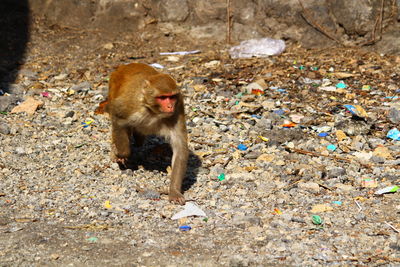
146	84
145	87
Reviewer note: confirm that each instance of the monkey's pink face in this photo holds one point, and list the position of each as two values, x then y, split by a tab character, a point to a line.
167	102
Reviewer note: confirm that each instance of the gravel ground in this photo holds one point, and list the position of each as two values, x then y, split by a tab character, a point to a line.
302	154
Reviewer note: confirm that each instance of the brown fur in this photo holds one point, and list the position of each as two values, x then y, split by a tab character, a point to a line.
135	113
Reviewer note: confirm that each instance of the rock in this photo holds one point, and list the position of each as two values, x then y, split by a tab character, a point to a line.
246	220
4	129
353	127
28	73
6	101
20	150
309	186
81	87
394	115
174	10
344	187
333	172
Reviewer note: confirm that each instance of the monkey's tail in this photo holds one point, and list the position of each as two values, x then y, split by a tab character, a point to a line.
102	108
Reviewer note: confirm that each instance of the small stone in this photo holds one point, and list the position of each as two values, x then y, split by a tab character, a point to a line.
394	115
81	87
344	187
108	46
20	150
4	129
309	186
333	172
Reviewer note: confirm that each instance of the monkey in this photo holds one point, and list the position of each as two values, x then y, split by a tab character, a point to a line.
142	101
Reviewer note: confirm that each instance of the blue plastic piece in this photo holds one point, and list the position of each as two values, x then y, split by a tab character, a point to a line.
242	147
185	228
341	85
331	147
394	134
323	134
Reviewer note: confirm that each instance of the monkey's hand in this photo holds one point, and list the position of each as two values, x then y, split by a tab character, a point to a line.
176	197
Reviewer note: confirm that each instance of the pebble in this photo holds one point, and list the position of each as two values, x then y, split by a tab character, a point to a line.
4	129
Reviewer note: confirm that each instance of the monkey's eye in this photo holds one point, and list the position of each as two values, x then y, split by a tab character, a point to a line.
164	97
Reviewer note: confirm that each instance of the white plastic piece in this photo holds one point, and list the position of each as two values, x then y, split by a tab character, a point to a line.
190	209
258	48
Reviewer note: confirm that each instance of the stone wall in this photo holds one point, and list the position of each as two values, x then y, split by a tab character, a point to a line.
315	23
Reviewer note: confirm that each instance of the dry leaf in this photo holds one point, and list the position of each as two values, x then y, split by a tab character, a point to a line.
29	106
321	208
340	135
383	152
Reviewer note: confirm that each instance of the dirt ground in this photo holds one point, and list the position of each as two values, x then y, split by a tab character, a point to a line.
41	238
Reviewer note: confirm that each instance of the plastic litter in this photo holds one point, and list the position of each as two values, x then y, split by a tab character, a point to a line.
185	228
87	123
107	204
265	139
92	239
341	85
388	189
258	48
280	112
242	147
323	134
356	110
190	209
157	66
221	177
180	53
331	147
277	211
369	183
257	92
45	94
394	134
339	203
316	220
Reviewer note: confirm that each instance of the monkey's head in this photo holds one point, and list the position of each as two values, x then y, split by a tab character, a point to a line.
161	95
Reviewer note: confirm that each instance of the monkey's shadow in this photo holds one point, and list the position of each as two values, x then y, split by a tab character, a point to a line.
156	155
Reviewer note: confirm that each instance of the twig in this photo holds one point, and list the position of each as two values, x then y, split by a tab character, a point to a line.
307	16
227	161
378	23
358	205
391	226
305	152
202	142
228	21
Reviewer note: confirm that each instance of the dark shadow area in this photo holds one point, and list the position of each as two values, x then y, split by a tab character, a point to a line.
157	156
14	32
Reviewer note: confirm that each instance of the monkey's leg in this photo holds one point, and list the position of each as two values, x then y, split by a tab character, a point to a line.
121	143
179	164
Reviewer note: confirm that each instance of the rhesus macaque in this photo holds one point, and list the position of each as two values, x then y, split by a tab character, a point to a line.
141	101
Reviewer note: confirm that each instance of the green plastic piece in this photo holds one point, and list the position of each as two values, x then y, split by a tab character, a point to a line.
316	220
92	239
221	177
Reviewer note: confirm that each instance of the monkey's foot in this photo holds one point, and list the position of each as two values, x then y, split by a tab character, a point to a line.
176	197
122	162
